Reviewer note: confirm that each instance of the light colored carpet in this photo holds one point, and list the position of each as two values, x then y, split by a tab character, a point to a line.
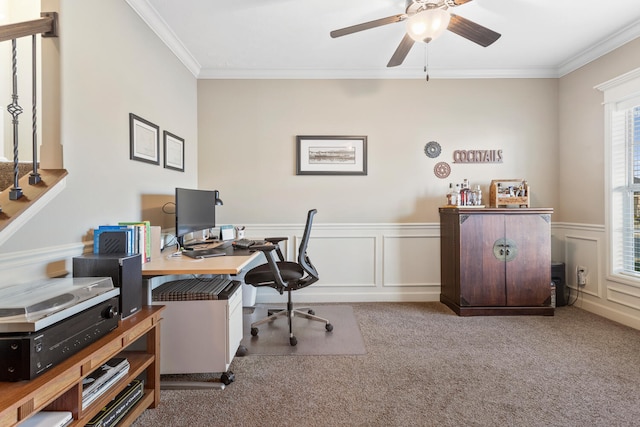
313	339
425	366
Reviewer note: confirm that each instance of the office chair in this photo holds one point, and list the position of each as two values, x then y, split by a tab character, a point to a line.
286	276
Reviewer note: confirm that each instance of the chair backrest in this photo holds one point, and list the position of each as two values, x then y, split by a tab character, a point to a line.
303	258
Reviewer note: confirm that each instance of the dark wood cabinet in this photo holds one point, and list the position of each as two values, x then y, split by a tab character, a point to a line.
496	261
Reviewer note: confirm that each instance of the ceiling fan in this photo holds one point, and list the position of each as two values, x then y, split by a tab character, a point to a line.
426	20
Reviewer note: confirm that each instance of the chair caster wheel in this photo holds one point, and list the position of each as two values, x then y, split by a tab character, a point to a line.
328	327
227	378
254	332
293	341
311	312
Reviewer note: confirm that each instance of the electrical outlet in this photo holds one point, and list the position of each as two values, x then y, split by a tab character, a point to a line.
581	273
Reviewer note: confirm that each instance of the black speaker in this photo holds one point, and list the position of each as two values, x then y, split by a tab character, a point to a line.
558	277
125	271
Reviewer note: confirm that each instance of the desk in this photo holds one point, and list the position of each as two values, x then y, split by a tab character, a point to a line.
199	336
167	264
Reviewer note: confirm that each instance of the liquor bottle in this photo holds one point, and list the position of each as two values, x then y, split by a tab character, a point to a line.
478	196
452	196
464	193
471	197
459	195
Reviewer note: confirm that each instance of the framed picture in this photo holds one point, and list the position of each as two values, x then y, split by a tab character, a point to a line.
144	140
173	151
331	155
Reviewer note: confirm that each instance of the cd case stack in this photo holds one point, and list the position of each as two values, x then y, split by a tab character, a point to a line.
100	380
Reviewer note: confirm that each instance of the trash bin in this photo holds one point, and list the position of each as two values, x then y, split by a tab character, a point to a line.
248	295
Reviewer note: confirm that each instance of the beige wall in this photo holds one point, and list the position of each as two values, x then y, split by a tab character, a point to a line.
240	139
112	64
248	130
581	142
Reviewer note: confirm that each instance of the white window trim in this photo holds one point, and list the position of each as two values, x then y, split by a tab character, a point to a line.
619	93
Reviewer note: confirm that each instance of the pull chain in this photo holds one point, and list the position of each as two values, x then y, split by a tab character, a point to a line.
426	60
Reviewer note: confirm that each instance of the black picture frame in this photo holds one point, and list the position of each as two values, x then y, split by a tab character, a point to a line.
173	151
144	140
331	155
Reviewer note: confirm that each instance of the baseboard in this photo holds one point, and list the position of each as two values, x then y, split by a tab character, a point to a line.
609	313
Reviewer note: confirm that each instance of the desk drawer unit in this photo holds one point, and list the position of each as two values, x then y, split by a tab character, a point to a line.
199	335
234	320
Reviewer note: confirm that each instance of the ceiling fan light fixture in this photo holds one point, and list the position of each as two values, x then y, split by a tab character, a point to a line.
428	25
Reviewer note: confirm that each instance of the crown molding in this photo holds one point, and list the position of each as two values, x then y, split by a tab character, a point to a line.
607	45
159	26
381	73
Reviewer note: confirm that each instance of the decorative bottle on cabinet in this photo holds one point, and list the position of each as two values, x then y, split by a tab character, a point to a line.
452	196
496	261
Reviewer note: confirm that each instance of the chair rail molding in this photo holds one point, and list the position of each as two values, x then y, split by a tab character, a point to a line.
38	264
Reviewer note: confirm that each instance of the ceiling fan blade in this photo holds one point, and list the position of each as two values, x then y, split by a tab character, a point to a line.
472	31
459	2
367	25
401	52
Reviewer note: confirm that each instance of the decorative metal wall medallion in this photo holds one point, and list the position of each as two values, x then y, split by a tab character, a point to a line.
442	170
432	149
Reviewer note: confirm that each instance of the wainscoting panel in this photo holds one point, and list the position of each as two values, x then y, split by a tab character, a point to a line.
411	261
344	261
585	245
624	295
365	262
583	251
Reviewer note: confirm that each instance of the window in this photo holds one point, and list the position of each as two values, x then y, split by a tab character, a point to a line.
622	127
626	129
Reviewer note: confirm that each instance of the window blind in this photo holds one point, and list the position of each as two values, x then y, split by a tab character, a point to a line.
625	139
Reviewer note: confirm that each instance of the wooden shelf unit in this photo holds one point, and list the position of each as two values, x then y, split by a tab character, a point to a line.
61	387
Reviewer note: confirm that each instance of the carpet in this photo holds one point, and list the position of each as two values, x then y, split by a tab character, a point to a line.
313	339
425	366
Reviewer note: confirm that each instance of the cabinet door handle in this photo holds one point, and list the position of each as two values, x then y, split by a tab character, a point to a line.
511	250
505	249
498	249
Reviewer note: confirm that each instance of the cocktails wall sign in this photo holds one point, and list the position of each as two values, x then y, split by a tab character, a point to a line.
477	156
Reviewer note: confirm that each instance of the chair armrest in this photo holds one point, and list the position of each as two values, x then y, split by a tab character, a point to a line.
275	240
266	249
263	248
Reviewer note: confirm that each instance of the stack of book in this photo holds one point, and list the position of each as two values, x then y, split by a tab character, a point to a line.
100	380
48	419
125	237
111	414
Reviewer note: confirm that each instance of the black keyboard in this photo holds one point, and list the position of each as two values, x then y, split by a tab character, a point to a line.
205	253
243	243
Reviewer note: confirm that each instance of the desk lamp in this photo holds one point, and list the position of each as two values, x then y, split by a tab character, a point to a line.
216	196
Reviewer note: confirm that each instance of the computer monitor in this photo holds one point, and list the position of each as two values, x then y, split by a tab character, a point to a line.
195	211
